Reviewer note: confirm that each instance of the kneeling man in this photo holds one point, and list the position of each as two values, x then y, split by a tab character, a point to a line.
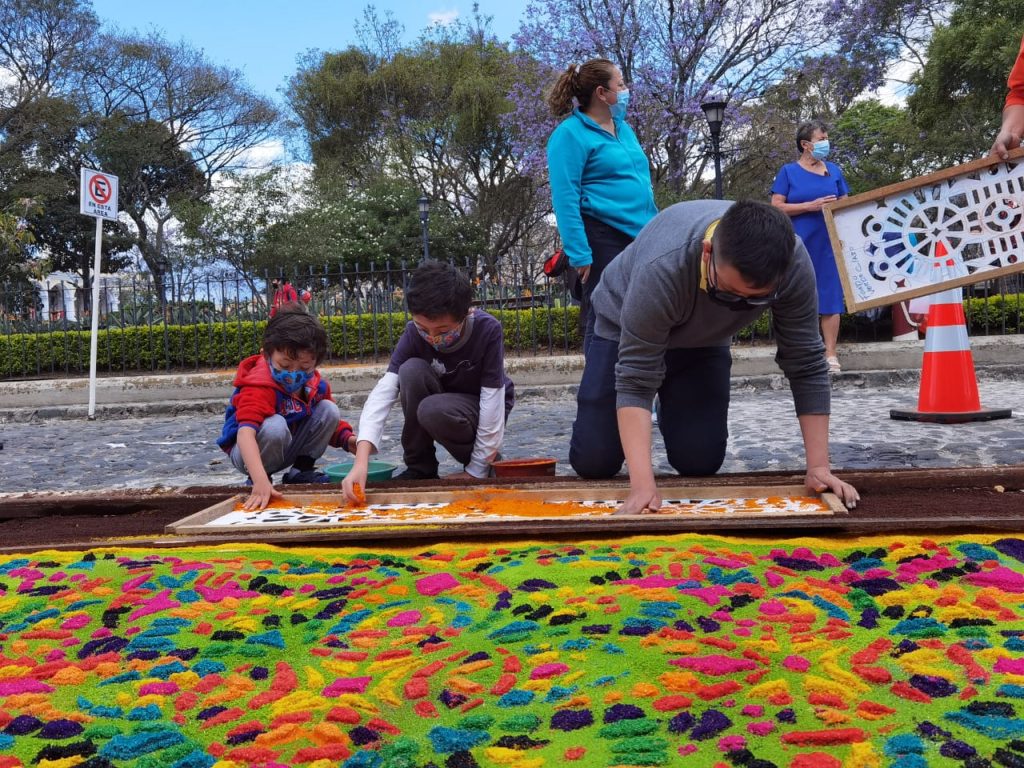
666	310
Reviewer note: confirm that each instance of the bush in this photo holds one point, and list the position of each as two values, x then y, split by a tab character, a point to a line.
995	314
222	345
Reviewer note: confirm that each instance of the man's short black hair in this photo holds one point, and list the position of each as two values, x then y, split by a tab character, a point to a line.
438	289
757	240
295	330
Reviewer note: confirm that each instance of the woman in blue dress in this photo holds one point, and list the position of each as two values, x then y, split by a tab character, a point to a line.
801	190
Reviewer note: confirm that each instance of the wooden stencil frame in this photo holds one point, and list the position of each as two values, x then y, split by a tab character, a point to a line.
198	523
975	200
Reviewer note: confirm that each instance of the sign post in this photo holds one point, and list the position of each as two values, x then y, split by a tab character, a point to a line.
98	195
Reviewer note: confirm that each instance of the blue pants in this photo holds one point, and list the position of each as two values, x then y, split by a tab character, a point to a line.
693	411
280	447
606	242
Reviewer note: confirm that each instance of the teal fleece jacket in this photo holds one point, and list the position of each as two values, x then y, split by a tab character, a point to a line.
599	175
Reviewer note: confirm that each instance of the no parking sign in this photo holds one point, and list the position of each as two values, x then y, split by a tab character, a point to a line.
98	194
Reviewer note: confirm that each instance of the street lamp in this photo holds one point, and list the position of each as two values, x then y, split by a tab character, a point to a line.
424	205
714	111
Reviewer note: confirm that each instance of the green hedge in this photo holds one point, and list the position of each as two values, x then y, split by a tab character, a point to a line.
222	345
990	314
353	337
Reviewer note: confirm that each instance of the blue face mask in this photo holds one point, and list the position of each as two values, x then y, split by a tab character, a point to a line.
290	381
821	149
619	107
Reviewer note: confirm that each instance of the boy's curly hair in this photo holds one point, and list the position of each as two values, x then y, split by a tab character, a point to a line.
294	330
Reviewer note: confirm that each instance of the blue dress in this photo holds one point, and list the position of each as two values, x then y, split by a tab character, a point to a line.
798	185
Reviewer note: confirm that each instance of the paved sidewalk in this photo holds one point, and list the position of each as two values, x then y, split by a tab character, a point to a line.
171	393
177	451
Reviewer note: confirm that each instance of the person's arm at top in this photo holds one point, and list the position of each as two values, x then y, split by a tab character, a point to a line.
1012	129
566	159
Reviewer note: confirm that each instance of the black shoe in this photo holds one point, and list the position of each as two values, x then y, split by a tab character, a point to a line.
415	474
304	476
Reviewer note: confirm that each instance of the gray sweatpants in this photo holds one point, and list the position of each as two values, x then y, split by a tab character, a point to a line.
279	447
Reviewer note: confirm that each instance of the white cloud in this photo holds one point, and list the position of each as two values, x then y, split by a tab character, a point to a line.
895	90
443	18
263	155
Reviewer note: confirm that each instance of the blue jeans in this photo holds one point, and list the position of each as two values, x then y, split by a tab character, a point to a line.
606	242
693	411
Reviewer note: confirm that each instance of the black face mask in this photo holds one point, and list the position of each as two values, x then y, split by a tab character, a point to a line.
734	301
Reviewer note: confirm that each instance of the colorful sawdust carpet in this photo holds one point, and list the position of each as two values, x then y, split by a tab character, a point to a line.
690	650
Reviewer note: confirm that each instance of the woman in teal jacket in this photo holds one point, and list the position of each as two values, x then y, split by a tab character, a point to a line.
600	178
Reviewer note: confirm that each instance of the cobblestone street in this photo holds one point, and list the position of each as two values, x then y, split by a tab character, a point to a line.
66	454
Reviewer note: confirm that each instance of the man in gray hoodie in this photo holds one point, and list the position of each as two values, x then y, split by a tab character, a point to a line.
666	310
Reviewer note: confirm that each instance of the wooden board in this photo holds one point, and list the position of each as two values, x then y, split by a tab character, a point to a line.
547	509
957	226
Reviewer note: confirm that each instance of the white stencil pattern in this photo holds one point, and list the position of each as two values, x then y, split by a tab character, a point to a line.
384	514
966	225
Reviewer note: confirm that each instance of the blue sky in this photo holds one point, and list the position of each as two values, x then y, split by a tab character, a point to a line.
263	38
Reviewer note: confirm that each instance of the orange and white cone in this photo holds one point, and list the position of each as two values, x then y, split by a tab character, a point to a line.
949	387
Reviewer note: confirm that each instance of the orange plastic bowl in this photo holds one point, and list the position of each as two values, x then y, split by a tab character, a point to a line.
525	468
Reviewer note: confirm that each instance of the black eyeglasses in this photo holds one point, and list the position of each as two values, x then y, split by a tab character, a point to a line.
734	301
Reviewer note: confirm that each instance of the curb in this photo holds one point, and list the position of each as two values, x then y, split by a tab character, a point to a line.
352	402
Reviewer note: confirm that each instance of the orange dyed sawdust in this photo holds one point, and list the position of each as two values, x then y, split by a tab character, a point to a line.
357	491
503	502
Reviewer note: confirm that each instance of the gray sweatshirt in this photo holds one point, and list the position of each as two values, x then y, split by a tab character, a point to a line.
649	300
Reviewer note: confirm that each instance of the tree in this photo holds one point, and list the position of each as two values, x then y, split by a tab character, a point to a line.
41	159
232	227
42	43
366	228
168	122
878	144
433	115
676	53
958	94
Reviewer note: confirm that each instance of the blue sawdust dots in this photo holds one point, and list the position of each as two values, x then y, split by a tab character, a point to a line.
448	740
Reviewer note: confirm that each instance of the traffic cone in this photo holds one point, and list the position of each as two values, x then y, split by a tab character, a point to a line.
949	387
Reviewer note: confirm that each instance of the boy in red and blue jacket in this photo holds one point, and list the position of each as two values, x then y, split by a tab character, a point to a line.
281	413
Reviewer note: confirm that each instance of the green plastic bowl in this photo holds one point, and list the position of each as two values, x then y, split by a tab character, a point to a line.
377	470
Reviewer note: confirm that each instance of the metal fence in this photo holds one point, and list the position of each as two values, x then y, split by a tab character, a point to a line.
213	320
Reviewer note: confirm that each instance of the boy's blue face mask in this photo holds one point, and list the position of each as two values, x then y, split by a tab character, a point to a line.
290	381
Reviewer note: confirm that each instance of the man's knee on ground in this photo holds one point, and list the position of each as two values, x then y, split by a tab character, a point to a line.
594	466
699	461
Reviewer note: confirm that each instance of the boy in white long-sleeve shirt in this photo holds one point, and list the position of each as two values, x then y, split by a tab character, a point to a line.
448	370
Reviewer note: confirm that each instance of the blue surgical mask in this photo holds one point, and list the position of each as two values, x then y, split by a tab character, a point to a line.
290	381
820	149
619	107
